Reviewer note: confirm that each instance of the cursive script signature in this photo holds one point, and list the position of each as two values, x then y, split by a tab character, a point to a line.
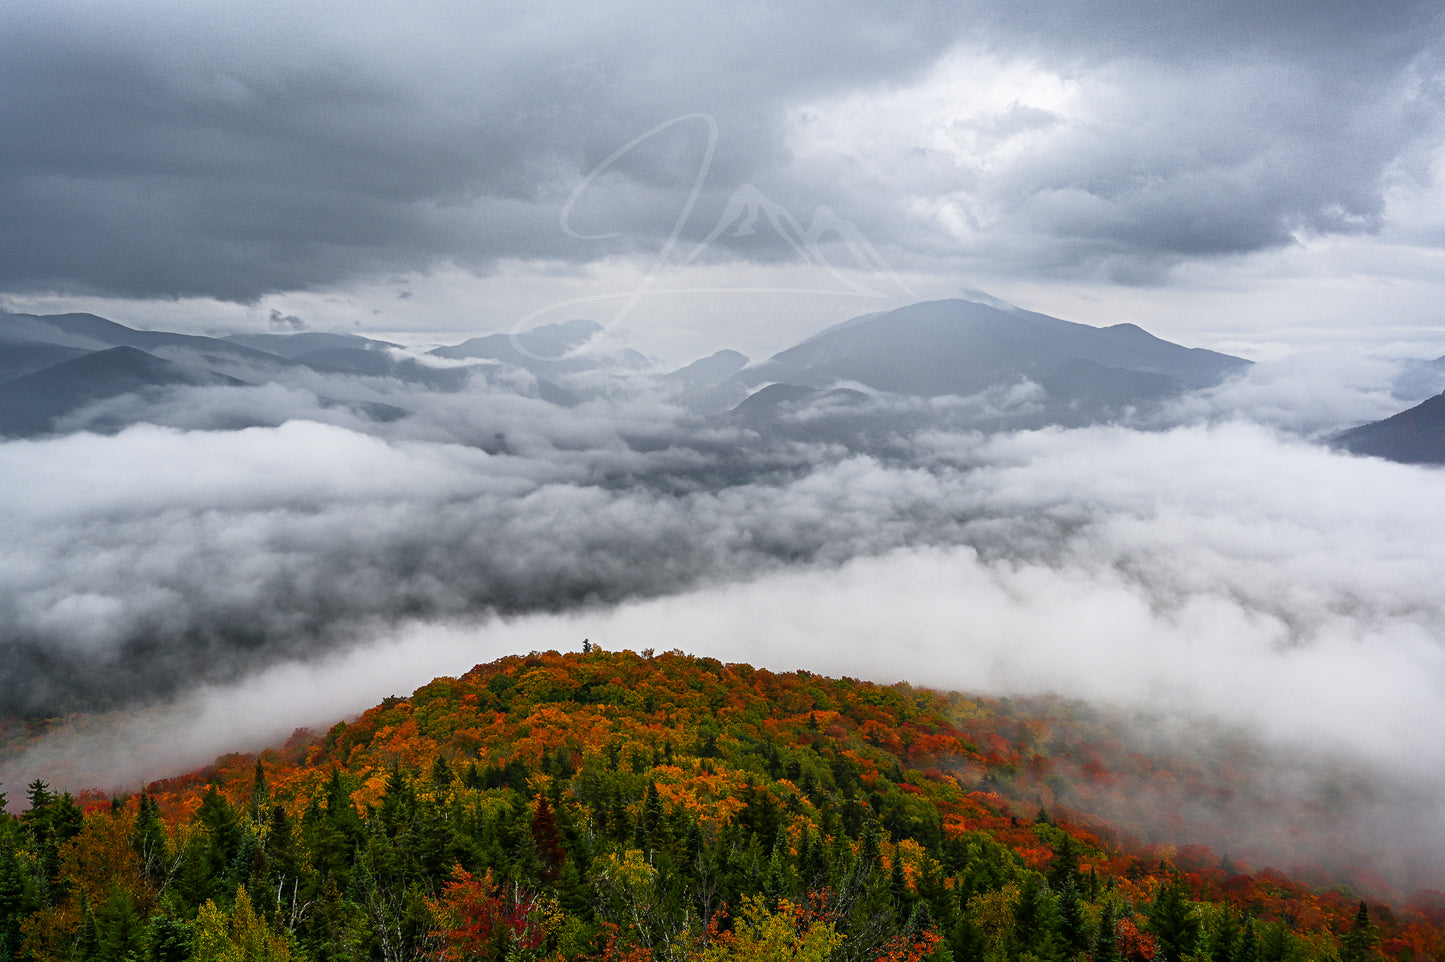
740	216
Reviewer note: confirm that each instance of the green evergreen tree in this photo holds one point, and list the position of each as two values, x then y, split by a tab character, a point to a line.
169	939
219	848
1036	920
148	838
1106	941
1248	943
260	792
120	930
1064	868
573	893
1358	944
1174	926
1073	930
87	937
18	894
441	772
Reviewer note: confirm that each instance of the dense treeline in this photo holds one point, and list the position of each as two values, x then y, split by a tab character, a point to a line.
620	806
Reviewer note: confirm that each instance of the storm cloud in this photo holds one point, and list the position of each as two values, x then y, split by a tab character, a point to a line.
157	150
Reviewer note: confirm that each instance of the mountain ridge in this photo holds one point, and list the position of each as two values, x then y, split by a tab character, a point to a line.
1413	436
963	347
1020	370
31	403
621	802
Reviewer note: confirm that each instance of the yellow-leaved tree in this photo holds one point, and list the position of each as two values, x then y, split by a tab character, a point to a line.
786	934
236	936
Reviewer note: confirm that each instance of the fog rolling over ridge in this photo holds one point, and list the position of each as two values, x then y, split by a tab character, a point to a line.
220	546
207	552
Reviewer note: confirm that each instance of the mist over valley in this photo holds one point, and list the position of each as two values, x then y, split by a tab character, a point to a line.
200	529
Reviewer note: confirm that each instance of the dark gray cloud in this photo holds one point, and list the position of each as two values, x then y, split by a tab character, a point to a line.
164	150
1347	39
169	152
286	323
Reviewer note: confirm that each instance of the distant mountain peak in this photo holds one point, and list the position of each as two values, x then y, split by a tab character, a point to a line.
961	347
987	299
31	404
293	346
1414	436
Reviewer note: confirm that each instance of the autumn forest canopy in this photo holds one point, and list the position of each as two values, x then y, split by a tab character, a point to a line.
610	805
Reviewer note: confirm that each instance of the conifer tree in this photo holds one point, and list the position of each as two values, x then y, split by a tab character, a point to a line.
1358	944
148	838
259	793
1173	925
1106	942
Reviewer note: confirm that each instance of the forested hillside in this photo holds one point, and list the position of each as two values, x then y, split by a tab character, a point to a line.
610	805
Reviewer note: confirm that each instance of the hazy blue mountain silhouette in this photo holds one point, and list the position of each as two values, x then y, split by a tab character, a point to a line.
709	384
30	405
196	352
1414	436
374	363
18	358
96	333
961	347
1017	369
293	346
550	349
1094	391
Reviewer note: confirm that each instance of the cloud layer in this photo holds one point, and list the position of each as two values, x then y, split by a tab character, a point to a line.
164	150
1216	573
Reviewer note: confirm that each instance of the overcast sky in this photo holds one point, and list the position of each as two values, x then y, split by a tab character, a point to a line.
1245	175
1262	177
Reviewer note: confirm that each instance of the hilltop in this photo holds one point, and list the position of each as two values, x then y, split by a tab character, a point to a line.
614	805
